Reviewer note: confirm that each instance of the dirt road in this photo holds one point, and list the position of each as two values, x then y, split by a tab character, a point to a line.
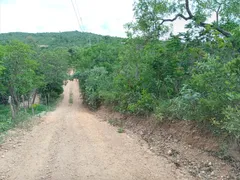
72	144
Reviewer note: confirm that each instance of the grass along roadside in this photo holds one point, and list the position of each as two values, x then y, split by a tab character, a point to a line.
23	119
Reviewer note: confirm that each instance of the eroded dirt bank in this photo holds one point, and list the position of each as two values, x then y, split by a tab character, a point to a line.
187	146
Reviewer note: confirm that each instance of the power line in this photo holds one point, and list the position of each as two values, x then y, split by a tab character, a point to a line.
79	19
78	12
76	15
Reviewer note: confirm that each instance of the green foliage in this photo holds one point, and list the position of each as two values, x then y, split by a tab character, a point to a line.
91	82
26	71
53	66
212	90
188	76
120	130
2	68
102	55
162	110
19	77
152	17
194	75
55	40
143	104
231	121
185	106
7	123
38	108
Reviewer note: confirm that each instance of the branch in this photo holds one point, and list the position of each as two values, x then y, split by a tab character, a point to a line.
188	9
177	16
223	32
181	15
191	17
218	11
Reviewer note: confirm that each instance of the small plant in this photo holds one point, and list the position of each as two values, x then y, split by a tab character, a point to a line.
71	97
120	130
112	122
115	122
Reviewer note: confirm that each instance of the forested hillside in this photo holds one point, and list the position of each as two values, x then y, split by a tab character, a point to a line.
193	75
53	40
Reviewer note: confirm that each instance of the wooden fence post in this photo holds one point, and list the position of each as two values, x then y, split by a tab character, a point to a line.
11	106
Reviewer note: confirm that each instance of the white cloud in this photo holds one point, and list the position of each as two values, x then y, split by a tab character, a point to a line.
102	17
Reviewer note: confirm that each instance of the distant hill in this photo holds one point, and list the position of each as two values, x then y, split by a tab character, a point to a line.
61	39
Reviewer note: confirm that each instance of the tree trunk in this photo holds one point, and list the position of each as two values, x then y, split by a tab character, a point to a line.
14	99
24	105
34	96
29	101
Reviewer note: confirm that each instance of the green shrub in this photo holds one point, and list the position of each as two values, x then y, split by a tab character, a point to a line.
232	120
120	130
142	105
162	110
91	82
6	122
212	91
40	108
186	105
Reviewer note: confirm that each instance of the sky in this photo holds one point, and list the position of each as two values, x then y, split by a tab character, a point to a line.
106	17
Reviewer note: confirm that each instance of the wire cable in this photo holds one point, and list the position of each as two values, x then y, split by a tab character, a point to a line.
76	14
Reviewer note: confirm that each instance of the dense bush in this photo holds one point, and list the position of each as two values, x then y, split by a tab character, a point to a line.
231	121
26	71
194	75
91	82
170	79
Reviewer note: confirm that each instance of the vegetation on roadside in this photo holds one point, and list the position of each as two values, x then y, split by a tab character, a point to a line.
193	75
120	130
34	65
28	72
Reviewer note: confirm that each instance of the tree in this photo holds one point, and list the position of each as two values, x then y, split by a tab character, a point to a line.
2	68
53	66
19	76
2	50
153	15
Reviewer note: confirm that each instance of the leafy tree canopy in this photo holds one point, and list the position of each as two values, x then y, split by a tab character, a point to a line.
152	16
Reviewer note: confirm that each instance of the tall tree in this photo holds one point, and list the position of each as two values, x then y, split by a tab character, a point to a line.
19	76
153	15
